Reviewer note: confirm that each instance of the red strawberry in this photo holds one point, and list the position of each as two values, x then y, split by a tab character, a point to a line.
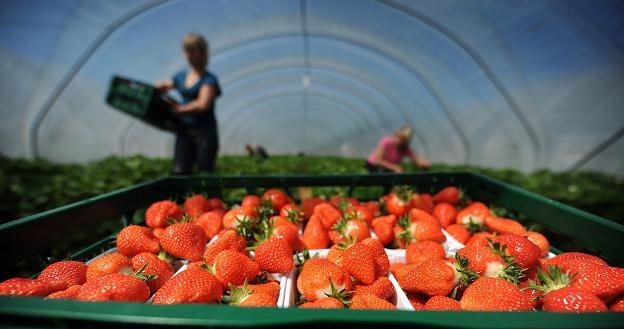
504	226
135	239
617	305
525	252
335	253
196	205
270	288
459	232
493	294
370	302
190	286
156	266
539	240
108	264
251	202
317	277
69	293
308	205
445	213
418	301
291	212
228	240
449	194
159	213
480	239
232	267
24	287
419	226
398	201
379	254
436	277
573	260
324	303
115	287
603	281
328	214
475	214
275	256
216	203
361	213
384	228
359	261
239	216
184	240
423	202
373	207
64	274
442	303
158	232
382	288
491	261
211	222
244	296
349	229
421	251
341	202
315	235
277	197
289	234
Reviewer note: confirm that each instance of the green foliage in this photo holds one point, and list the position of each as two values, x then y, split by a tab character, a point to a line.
32	186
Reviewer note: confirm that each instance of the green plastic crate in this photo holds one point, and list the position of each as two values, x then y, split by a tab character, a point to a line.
34	235
141	101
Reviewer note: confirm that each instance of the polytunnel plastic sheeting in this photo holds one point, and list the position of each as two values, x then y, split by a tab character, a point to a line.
524	84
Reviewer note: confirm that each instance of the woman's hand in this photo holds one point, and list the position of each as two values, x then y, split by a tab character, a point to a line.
164	85
424	163
397	169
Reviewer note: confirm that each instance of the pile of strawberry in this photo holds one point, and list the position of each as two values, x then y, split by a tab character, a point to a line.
202	252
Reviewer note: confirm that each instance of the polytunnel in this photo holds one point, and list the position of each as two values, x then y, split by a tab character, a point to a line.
520	84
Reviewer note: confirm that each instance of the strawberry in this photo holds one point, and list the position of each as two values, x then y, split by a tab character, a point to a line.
244	296
291	212
157	232
69	293
324	303
315	234
617	305
335	253
270	288
241	216
280	228
320	278
423	202
275	256
421	251
216	204
341	202
25	287
384	228
459	232
370	302
525	253
474	215
373	207
190	286
135	239
573	260
108	264
539	240
603	281
277	197
504	226
347	228
494	294
196	205
445	213
228	240
308	205
442	303
154	265
361	213
449	194
359	261
382	288
159	213
419	226
558	296
418	301
184	240
379	254
398	201
232	267
64	274
328	214
211	222
436	277
480	239
116	287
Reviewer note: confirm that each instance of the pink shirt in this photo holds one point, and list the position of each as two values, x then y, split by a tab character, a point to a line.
391	152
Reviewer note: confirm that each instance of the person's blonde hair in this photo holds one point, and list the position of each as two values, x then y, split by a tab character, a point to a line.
196	41
405	132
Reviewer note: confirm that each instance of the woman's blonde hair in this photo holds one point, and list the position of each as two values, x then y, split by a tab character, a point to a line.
196	41
405	132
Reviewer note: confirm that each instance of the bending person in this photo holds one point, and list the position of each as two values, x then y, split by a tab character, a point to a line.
391	150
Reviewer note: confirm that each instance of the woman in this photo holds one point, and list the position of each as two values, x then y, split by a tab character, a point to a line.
391	150
197	140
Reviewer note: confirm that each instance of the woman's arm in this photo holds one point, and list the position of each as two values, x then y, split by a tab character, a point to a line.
379	153
203	102
420	161
164	85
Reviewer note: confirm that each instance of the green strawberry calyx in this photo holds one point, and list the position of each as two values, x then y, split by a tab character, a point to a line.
552	279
